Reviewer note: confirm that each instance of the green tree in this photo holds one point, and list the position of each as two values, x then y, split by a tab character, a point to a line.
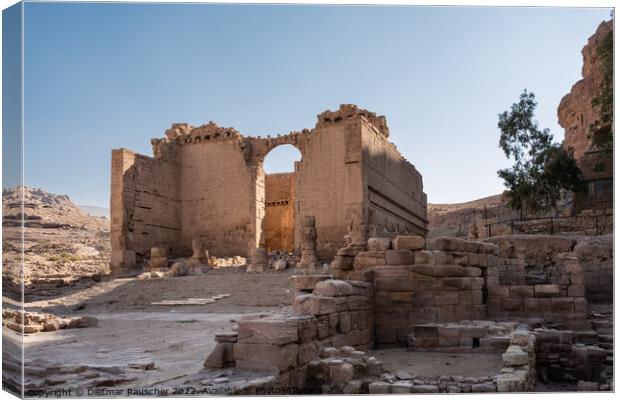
601	130
541	167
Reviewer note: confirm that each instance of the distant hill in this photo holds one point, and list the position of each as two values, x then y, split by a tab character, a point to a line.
43	209
95	211
61	243
456	219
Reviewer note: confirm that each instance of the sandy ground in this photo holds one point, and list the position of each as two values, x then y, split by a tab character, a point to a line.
435	364
137	351
138	345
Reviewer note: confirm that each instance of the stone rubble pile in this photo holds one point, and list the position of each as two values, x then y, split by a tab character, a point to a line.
31	322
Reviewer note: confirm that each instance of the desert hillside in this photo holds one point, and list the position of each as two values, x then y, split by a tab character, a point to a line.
457	218
62	244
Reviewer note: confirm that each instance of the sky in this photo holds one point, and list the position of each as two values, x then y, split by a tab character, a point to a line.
104	76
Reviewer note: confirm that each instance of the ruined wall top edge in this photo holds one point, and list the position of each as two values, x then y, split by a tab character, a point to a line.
181	131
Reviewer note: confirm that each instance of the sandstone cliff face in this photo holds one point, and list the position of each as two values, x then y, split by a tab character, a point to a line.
575	112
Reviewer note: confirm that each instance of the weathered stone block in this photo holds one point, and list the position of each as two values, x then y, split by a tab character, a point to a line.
423	257
576	291
446	244
531	305
460	283
546	290
267	331
353	387
344	263
522	291
520	337
368	259
425	389
394	285
409	243
401	387
318	305
485	387
511	382
216	359
265	357
562	304
341	373
307	352
344	322
515	356
367	275
581	305
446	313
499	291
439	270
399	257
444	299
333	288
512	304
379	387
378	244
322	327
392	271
422	315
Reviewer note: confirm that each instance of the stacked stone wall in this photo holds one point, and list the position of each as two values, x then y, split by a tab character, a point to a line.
461	337
326	313
596	259
552	286
559	357
418	283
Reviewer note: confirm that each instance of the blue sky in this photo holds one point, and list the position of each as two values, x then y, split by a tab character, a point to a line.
103	76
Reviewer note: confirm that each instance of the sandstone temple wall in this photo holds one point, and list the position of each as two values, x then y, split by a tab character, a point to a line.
330	186
145	200
217	194
208	182
393	188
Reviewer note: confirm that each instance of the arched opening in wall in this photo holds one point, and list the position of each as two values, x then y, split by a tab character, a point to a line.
278	224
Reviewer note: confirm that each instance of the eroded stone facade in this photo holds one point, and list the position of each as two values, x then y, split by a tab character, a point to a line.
209	182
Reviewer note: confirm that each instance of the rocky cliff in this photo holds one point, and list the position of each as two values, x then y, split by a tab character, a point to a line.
575	112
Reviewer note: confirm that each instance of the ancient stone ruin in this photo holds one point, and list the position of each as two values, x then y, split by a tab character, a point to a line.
521	298
208	182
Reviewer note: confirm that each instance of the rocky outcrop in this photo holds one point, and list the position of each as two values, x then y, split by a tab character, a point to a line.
575	112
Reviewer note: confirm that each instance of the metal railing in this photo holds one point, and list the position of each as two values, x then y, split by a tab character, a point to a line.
595	224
